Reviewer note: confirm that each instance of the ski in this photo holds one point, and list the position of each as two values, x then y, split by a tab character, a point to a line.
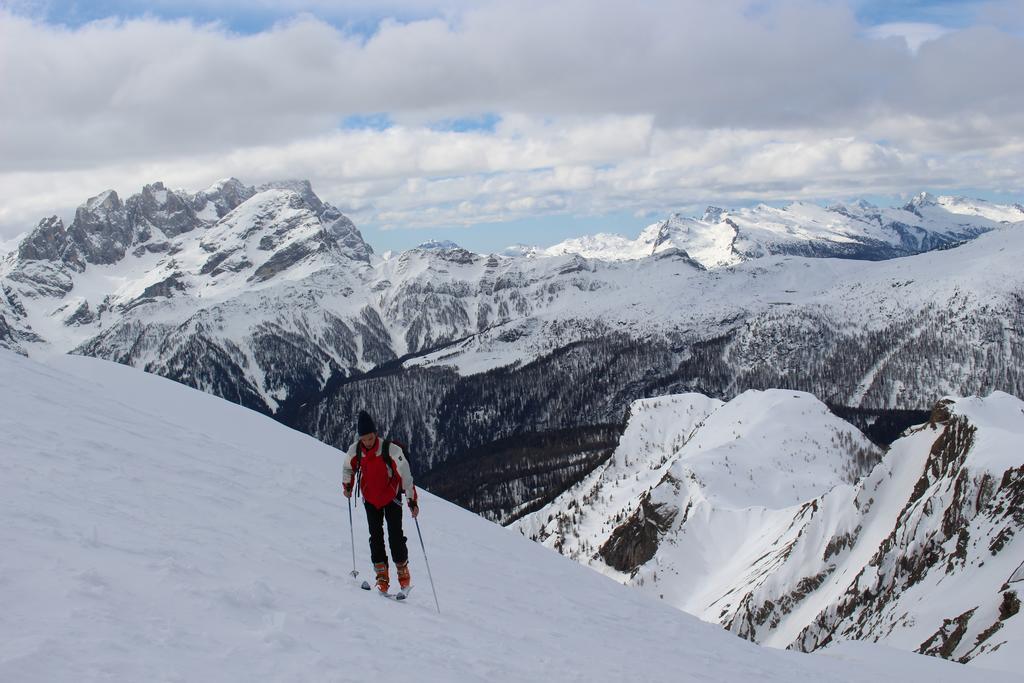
399	596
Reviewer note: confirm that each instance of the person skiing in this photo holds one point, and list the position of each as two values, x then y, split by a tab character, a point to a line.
383	474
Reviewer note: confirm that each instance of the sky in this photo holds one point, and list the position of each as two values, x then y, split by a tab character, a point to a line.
495	122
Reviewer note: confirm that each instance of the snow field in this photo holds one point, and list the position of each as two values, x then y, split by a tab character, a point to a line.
152	532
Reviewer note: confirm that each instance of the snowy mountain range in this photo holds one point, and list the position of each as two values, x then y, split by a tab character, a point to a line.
859	230
206	287
771	516
271	297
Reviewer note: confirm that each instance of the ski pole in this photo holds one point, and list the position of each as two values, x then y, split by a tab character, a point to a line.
352	535
427	562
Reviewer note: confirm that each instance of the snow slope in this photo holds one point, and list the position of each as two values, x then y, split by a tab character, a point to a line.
155	533
727	475
776	519
980	207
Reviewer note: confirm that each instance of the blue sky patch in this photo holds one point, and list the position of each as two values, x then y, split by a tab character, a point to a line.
238	17
486	123
948	13
378	121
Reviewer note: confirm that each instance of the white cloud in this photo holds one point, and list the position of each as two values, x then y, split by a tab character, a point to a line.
603	106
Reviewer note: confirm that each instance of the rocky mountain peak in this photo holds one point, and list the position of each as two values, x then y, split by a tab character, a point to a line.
665	229
920	200
103	202
221	198
712	214
303	188
344	232
287	219
708	243
46	242
438	244
277	229
101	232
163	209
445	251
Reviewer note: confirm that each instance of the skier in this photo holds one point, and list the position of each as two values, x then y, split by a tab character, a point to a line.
383	474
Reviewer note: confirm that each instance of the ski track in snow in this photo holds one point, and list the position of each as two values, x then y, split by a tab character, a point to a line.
154	533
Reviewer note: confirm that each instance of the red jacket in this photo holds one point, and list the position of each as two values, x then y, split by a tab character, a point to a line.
378	483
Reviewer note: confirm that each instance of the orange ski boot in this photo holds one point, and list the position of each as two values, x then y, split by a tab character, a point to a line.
383	580
404	580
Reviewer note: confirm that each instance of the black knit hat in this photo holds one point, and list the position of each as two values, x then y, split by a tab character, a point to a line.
365	424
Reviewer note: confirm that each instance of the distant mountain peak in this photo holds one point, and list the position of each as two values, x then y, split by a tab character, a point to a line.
922	199
292	225
303	188
520	250
438	244
106	200
712	214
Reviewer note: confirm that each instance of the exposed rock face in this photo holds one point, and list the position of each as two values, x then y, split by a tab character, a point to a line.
82	315
164	288
101	232
157	208
345	234
964	512
7	340
221	199
283	260
46	242
14	334
636	541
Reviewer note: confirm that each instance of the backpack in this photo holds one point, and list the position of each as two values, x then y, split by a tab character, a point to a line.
385	453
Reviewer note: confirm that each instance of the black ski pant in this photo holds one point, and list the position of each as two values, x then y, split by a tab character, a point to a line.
392	513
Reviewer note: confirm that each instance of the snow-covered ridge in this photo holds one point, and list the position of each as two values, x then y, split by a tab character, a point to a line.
860	229
770	516
980	207
602	246
152	532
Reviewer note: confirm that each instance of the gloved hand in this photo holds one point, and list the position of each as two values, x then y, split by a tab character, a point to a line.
414	508
347	489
